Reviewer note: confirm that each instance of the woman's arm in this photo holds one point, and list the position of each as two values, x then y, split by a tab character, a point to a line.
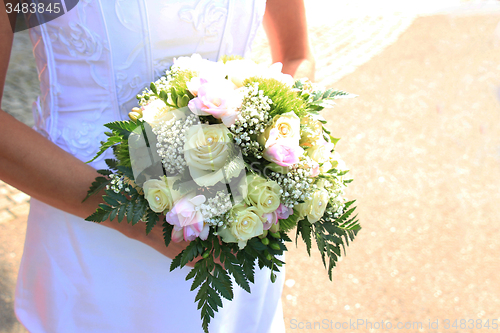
36	166
286	28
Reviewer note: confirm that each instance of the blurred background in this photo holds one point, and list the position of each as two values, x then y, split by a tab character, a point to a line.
423	144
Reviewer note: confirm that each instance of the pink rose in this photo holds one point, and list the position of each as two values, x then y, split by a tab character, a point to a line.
271	218
187	221
217	98
194	84
283	152
315	169
284	212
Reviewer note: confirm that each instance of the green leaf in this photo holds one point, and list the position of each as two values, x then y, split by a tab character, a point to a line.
304	228
202	293
113	140
222	283
139	211
112	214
121	212
290	222
100	215
167	232
192	274
130	211
176	262
111	163
198	280
239	275
248	264
152	219
97	185
110	201
105	207
189	253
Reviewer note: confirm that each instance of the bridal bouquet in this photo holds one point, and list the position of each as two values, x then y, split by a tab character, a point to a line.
229	156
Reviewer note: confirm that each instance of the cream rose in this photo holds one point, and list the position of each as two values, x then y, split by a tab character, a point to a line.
154	111
248	222
239	70
262	193
287	126
316	205
158	195
337	162
311	131
207	150
322	153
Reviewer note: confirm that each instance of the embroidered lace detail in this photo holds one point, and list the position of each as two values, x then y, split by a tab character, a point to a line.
80	41
207	17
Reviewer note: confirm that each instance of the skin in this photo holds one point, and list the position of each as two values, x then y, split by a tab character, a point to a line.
36	166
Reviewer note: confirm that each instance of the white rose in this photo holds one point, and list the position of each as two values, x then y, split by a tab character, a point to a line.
263	193
207	150
158	195
311	131
316	205
337	161
154	111
201	67
240	69
287	126
322	153
247	223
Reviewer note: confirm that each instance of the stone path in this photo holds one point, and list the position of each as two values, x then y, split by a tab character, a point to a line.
423	144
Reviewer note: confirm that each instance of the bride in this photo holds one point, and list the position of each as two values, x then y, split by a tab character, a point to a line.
77	276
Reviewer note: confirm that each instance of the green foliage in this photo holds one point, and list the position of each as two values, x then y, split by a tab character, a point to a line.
290	222
120	131
332	236
178	93
226	58
214	279
284	99
317	100
133	206
121	152
98	184
304	229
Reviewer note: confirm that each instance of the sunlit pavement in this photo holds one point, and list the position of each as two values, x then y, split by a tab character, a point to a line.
422	140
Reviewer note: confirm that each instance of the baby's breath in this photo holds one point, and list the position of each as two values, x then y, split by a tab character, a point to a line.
252	120
171	136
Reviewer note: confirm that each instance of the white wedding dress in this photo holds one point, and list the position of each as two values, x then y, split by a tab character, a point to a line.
77	276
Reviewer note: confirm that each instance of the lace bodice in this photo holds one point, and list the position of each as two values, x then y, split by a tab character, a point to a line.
93	60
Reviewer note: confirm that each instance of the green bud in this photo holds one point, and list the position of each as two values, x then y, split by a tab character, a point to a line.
134	116
205	254
265	241
269	257
275	227
183	101
273	277
264	234
275	234
275	246
153	87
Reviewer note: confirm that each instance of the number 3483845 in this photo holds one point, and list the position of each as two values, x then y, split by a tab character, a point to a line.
33	8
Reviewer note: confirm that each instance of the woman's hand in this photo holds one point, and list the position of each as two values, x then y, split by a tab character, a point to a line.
154	239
